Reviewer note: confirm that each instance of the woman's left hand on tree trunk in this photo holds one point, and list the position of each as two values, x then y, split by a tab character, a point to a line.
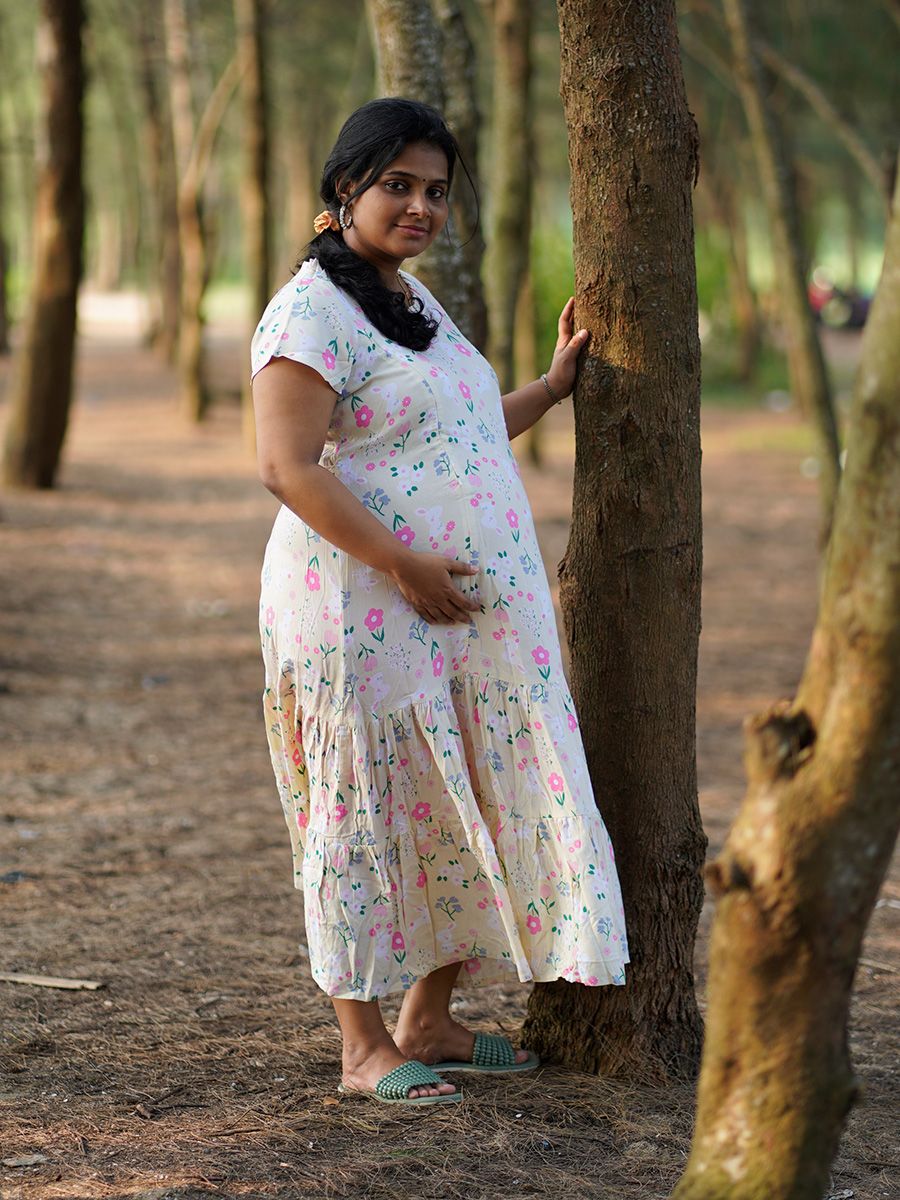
561	375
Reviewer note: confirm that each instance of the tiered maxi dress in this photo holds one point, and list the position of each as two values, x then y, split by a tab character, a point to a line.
432	777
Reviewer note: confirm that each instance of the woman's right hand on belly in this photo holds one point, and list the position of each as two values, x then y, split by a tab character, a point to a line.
426	580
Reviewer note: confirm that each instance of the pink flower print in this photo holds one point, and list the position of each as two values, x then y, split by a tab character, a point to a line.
364	415
312	580
341	811
405	534
421	880
451	525
397	942
464	388
296	756
591	981
270	615
534	924
464	350
572	723
302	820
541	656
421	811
438	664
374	619
328	359
556	783
513	517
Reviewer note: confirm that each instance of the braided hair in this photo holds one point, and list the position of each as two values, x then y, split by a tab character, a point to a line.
371	138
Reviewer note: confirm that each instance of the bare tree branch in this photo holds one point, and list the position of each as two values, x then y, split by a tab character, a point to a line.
819	102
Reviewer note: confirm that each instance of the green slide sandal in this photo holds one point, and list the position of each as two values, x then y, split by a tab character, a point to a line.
393	1087
494	1054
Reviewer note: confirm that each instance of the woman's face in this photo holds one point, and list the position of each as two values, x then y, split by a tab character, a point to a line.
410	194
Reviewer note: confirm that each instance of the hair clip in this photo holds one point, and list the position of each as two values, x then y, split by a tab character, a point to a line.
325	220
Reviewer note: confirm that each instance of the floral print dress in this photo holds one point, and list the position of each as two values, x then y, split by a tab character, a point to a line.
432	777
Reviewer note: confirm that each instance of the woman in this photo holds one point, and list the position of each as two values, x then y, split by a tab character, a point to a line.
424	740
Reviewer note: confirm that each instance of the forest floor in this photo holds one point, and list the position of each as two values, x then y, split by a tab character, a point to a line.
143	845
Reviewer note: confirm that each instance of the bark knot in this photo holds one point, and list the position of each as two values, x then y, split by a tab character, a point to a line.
778	742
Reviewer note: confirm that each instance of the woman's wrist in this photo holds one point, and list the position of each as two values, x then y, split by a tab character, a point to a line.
556	391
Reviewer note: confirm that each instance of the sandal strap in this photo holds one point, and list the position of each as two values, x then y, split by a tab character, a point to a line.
396	1084
493	1050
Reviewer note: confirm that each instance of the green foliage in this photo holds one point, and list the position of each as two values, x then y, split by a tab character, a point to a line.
553	281
711	257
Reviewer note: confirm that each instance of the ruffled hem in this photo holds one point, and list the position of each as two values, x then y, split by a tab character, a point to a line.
460	827
482	972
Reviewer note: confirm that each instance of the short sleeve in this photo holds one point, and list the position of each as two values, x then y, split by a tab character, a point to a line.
310	321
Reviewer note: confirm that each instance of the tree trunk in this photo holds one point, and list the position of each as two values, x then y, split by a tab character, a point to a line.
4	254
459	60
809	378
255	210
801	868
630	577
513	155
408	52
194	397
42	390
161	236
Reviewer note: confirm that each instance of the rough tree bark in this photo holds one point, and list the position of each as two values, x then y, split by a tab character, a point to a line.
800	871
255	207
42	390
630	577
806	364
408	48
511	176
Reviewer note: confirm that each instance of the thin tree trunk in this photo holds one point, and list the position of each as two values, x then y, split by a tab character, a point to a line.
800	871
161	235
461	112
107	265
42	390
809	377
513	154
255	210
408	53
630	577
4	253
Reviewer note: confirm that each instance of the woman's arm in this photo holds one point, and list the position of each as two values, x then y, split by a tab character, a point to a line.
528	404
293	406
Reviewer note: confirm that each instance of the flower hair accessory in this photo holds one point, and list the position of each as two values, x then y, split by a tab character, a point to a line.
325	220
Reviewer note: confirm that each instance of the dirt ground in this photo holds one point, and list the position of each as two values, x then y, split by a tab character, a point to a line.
142	844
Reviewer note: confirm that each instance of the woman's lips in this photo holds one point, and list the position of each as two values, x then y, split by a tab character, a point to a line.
413	230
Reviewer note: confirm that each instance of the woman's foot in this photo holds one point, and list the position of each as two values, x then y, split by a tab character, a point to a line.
437	1039
362	1067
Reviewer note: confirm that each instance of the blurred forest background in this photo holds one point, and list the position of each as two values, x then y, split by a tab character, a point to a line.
835	97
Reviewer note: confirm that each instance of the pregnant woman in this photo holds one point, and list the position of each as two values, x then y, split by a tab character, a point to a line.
425	744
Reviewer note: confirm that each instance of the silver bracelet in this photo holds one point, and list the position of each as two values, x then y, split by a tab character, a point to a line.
551	392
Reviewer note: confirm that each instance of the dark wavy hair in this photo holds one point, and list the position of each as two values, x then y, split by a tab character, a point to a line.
371	137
